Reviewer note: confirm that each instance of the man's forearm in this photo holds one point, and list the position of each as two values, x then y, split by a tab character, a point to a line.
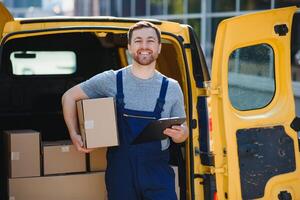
70	114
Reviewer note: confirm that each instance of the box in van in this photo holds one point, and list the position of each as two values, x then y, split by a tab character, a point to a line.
23	153
89	186
60	157
97	160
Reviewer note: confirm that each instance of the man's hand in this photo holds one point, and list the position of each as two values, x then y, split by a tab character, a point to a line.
78	143
177	133
70	115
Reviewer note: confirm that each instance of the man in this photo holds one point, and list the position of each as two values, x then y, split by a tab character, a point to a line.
142	94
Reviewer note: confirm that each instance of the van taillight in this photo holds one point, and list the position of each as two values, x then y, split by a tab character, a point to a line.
210	124
215	196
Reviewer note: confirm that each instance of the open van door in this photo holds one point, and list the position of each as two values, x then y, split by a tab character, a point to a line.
5	17
256	149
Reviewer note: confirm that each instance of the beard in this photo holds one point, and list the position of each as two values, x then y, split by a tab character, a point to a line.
145	59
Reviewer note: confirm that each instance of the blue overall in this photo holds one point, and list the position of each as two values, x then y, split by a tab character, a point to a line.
141	171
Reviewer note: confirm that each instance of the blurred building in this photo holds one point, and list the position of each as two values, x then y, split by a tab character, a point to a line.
87	8
39	8
22	8
22	3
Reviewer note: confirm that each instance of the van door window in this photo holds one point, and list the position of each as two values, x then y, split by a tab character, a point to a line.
251	83
43	62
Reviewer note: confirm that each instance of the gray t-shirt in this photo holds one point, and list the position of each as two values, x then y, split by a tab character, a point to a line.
139	94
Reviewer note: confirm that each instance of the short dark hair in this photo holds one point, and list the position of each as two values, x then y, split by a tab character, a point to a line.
140	25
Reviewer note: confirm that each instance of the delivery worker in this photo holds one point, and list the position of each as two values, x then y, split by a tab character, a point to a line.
139	171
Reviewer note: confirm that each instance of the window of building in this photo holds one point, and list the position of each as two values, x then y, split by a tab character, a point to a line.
223	5
126	5
54	62
114	8
255	5
26	3
281	3
104	5
157	7
251	83
140	7
175	6
194	6
196	24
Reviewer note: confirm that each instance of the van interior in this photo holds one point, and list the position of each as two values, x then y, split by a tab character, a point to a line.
36	71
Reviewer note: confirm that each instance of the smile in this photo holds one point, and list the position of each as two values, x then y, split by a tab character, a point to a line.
144	52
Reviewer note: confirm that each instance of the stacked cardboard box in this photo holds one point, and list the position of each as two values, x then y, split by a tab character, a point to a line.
61	157
97	160
89	186
23	153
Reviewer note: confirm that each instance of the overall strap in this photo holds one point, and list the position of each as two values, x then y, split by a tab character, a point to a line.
161	99
120	94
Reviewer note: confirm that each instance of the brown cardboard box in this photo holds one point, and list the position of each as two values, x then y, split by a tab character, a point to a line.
23	149
177	189
88	186
97	160
62	157
98	125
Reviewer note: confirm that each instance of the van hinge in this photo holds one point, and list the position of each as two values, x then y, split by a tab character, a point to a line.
203	92
187	46
218	170
214	91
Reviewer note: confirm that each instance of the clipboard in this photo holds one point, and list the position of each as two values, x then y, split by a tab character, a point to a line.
154	130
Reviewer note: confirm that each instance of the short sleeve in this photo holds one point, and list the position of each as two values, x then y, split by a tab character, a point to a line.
99	85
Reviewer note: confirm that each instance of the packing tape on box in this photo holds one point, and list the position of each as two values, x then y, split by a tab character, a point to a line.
12	198
89	124
65	149
15	155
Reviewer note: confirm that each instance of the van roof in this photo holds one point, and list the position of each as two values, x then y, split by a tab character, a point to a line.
84	19
46	23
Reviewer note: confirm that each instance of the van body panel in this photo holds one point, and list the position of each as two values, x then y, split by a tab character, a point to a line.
5	16
252	109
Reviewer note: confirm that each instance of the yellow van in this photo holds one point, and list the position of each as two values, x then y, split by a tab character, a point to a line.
243	141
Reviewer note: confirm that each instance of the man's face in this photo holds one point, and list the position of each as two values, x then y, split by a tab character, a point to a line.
144	47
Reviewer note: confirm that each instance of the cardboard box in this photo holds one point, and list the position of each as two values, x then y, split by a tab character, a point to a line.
23	153
98	123
88	186
97	160
62	157
177	188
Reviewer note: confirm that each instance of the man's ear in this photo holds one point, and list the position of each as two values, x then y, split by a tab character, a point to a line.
129	48
159	48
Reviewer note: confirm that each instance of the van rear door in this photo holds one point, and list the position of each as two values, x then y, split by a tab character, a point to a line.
256	150
5	17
